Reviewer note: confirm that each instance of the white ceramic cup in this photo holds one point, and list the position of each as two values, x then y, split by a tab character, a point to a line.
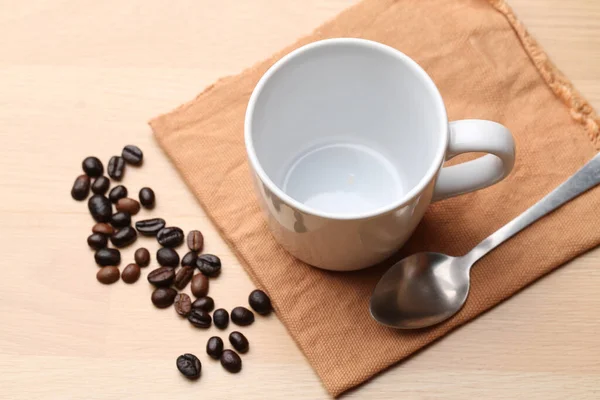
346	139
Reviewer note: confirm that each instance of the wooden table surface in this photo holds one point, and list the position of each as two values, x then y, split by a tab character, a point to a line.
81	77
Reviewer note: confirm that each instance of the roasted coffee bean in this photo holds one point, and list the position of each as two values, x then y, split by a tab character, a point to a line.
162	277
124	237
189	260
195	240
209	264
189	366
116	193
100	208
183	277
147	197
221	318
214	347
120	219
116	168
97	241
231	361
260	302
167	257
103	228
108	256
199	285
128	205
100	185
150	227
183	304
131	273
204	303
108	275
142	257
199	318
242	316
132	154
170	237
163	297
92	167
239	341
81	188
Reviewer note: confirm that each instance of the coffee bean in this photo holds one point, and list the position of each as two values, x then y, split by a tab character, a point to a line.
116	168
183	304
209	264
81	187
195	240
260	302
100	185
128	205
124	237
170	237
204	303
103	228
92	167
100	208
142	257
131	273
161	277
221	318
189	260
183	277
108	275
214	347
120	219
239	341
231	361
132	155
189	366
108	256
163	297
97	241
199	285
150	227
242	316
147	197
199	318
167	257
116	193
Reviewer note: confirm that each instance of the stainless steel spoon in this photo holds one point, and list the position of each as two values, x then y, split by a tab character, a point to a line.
427	288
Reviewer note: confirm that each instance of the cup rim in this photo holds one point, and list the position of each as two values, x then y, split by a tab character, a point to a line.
412	193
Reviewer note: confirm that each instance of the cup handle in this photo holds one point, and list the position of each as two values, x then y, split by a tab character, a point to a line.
475	135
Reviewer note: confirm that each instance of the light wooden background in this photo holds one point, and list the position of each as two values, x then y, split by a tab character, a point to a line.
82	77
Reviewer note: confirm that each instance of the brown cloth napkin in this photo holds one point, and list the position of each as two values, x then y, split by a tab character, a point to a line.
486	66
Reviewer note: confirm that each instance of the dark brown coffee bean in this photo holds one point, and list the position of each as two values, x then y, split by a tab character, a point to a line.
260	302
103	228
108	275
239	341
221	318
170	237
199	318
131	273
124	237
81	187
150	227
242	316
163	297
116	168
100	185
97	241
100	208
92	167
189	366
183	304
183	277
209	264
167	257
162	277
142	257
128	205
120	219
132	155
108	257
195	240
147	197
189	260
116	193
204	303
231	361
199	285
214	347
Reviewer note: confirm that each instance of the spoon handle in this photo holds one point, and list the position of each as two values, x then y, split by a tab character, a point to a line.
583	180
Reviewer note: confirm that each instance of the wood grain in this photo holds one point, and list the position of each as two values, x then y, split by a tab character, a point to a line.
83	77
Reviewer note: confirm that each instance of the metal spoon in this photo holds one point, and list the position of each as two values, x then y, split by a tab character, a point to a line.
427	288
